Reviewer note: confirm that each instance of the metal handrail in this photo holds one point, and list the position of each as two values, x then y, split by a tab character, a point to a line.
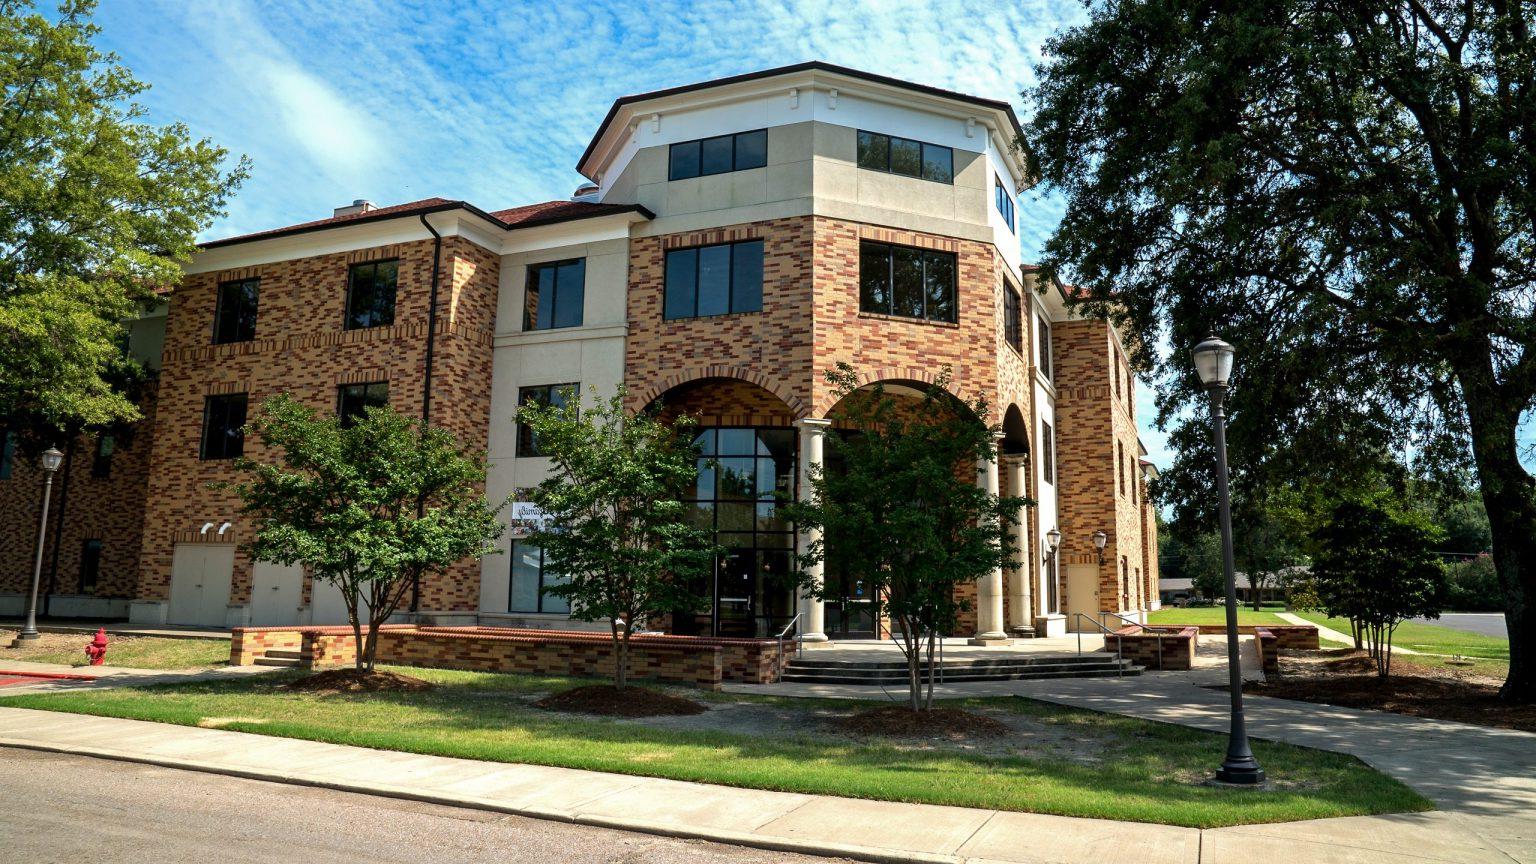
1079	617
799	640
1148	628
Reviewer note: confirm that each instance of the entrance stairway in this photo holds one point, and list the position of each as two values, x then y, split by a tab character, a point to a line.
813	670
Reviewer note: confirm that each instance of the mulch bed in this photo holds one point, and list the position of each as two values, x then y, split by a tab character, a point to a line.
899	721
350	680
609	701
1348	679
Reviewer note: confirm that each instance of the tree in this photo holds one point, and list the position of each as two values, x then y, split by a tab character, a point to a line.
100	209
1376	566
370	507
1342	190
1268	542
616	529
902	512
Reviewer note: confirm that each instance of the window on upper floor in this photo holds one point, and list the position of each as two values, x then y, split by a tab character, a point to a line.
879	152
719	155
1114	360
714	280
234	316
906	281
90	565
353	400
1003	200
101	460
558	395
1013	318
1047	453
1120	465
555	293
371	294
223	426
1043	361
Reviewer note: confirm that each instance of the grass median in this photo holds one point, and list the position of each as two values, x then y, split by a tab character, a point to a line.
129	652
1203	615
1055	760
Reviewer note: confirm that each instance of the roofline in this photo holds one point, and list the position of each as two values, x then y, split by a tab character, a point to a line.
418	211
808	66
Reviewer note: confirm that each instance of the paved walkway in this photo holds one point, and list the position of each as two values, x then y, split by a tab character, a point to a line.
1484	781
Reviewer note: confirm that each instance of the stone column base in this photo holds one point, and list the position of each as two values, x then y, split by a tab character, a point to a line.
990	640
1051	625
1021	631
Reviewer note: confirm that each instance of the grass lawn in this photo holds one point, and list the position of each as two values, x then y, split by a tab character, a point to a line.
134	652
1490	654
1214	615
1058	760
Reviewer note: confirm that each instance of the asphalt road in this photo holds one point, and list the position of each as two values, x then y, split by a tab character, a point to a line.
1486	623
59	808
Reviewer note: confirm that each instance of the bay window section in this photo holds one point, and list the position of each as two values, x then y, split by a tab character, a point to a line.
714	280
904	156
719	155
907	282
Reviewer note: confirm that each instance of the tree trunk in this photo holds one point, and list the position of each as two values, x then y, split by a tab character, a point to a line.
1510	499
357	630
932	672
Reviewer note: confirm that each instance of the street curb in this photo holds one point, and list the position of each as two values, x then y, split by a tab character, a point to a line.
663	829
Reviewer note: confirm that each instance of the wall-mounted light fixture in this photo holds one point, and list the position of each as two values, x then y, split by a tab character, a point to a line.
1100	540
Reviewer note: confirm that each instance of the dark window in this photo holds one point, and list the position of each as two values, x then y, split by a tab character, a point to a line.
719	155
90	565
905	281
1120	465
7	455
371	294
1013	318
353	399
906	157
224	426
234	318
714	280
530	577
558	395
555	294
101	461
1045	349
1004	202
1047	453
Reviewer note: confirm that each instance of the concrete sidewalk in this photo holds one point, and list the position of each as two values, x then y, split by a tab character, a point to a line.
1483	780
117	676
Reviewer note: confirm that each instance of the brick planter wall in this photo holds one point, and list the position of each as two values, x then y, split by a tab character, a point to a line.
1268	644
1167	649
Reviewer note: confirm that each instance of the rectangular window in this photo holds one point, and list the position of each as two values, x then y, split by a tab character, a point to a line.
558	395
719	155
878	152
223	426
530	578
1013	318
90	565
714	280
1047	453
353	399
1045	348
1120	465
234	316
101	460
1004	202
909	282
555	294
371	294
7	455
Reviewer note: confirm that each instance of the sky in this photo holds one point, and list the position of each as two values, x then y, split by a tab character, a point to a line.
493	102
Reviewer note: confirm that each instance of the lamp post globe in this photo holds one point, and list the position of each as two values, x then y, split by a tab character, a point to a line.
1213	363
51	460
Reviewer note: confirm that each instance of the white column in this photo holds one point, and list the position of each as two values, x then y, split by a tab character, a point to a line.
1021	606
989	592
813	434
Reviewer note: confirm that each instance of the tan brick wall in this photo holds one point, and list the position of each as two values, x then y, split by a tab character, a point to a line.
302	349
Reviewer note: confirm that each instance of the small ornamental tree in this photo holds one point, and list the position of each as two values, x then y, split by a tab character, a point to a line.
1375	566
615	527
902	513
370	507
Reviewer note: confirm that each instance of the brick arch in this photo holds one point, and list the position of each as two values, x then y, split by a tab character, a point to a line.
701	373
894	374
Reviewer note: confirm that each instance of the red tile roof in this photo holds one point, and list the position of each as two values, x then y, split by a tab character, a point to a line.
550	211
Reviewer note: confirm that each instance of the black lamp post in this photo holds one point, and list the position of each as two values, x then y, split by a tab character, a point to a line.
1213	361
51	459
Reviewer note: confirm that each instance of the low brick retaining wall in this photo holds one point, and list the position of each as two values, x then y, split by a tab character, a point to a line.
1164	648
1268	644
701	662
1289	637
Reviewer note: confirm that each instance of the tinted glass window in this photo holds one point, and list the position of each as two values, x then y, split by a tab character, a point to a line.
555	294
234	319
747	277
716	155
223	426
1004	202
751	150
353	399
101	462
90	565
714	280
531	577
558	395
874	277
906	157
684	161
907	280
939	287
1013	318
938	164
682	283
874	151
1045	348
912	283
1047	453
371	294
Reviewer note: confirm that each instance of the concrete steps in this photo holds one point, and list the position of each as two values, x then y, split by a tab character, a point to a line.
894	672
292	659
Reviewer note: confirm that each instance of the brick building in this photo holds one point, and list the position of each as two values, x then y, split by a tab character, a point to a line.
735	241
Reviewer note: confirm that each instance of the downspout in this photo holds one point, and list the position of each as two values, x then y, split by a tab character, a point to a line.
426	378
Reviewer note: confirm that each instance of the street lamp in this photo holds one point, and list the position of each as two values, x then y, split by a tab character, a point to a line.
51	460
1213	362
1100	540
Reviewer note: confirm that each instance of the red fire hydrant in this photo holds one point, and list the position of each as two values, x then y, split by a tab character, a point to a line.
97	649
